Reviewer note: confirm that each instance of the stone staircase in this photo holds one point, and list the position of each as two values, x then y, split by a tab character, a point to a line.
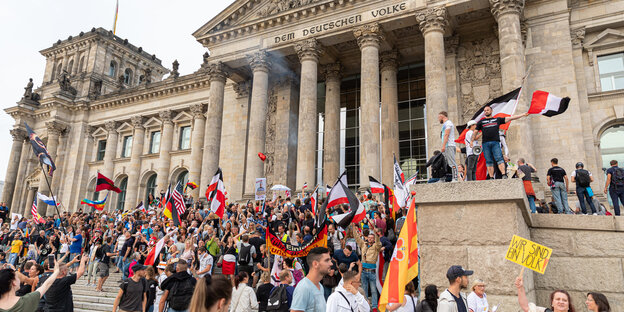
87	299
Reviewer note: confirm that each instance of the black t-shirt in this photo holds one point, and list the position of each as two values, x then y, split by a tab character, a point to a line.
556	173
489	128
40	241
611	171
461	306
101	254
262	294
257	242
132	299
127	244
59	295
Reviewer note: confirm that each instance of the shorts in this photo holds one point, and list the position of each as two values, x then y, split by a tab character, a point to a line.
492	153
102	269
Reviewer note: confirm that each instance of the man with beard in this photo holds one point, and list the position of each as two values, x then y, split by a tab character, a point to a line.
452	299
309	295
490	144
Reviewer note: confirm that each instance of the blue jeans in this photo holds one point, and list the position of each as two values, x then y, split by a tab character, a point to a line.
561	197
126	267
531	199
172	310
369	280
615	196
582	194
13	258
492	153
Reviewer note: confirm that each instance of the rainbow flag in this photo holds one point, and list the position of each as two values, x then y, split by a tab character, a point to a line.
97	204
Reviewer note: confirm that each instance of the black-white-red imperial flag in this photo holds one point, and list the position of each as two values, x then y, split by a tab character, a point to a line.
546	104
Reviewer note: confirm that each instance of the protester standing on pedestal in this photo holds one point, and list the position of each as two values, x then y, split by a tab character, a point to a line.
448	142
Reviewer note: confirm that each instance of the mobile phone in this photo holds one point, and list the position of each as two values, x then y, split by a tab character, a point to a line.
51	262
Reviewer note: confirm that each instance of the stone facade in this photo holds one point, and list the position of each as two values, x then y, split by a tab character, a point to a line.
258	91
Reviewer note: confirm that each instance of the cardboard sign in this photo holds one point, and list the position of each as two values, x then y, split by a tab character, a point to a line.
260	189
529	254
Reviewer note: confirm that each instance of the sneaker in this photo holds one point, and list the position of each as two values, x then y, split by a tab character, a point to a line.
594	214
505	176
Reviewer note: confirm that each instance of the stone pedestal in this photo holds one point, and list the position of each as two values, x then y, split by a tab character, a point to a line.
471	224
432	23
164	159
19	135
132	189
368	38
331	133
260	65
308	51
389	116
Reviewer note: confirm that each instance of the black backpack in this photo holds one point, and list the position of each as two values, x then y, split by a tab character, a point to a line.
278	301
618	178
244	255
181	294
582	178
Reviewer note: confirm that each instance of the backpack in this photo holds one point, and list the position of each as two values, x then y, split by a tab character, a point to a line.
618	178
181	294
278	301
582	178
244	256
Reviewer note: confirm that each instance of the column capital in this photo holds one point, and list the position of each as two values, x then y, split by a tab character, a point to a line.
165	116
111	126
55	128
501	7
197	110
18	134
432	19
308	49
388	60
332	71
242	89
137	121
577	36
259	61
369	34
218	72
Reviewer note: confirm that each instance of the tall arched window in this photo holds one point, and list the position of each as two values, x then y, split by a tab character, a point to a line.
612	146
121	198
112	69
53	72
128	76
150	189
81	64
183	178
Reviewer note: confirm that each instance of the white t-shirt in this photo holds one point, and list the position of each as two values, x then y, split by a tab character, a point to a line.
476	303
467	141
205	260
449	125
574	173
410	304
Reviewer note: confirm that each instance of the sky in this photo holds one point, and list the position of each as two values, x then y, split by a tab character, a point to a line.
161	27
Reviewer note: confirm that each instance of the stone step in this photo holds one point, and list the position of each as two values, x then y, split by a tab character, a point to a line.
108	282
95	298
92	292
89	306
92	289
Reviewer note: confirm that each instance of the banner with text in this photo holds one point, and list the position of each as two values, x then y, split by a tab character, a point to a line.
277	247
529	254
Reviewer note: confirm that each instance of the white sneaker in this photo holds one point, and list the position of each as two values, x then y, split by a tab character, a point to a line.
594	214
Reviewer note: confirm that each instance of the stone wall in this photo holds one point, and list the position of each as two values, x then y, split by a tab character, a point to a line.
471	224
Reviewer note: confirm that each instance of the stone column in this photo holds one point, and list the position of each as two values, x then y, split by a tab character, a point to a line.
197	145
368	38
507	14
308	51
214	119
166	141
54	132
18	193
29	200
432	23
19	135
389	115
132	187
260	65
331	133
111	149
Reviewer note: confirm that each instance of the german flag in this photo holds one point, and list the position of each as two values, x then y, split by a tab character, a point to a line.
104	183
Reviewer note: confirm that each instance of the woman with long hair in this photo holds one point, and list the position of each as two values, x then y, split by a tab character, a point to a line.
597	302
10	283
430	303
243	296
212	294
560	300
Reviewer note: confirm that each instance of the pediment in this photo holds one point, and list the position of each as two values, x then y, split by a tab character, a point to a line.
100	132
34	175
152	122
182	116
237	13
607	38
124	127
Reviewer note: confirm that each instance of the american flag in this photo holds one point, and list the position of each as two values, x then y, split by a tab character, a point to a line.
178	199
36	216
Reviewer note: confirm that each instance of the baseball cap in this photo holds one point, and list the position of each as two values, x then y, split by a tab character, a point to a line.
138	267
472	122
453	272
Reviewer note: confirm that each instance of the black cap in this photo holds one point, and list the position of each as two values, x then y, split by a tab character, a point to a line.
456	271
579	165
138	267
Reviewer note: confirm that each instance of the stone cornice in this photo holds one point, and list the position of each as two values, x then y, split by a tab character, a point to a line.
308	49
222	31
55	127
500	7
432	19
369	34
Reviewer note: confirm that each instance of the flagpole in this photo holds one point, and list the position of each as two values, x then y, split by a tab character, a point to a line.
45	175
